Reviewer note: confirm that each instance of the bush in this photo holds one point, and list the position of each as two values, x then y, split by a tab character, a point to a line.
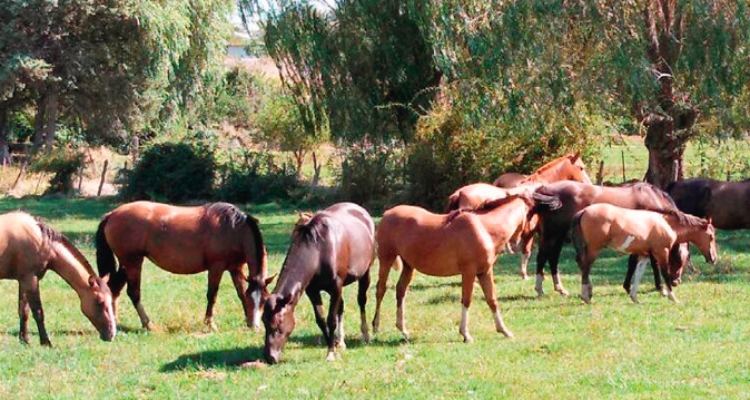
64	164
369	174
171	171
258	178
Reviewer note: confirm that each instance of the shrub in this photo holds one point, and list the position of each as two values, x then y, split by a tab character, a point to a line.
257	178
171	171
369	174
63	164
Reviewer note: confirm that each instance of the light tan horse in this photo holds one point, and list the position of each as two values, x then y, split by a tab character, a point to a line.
28	248
639	232
460	243
569	167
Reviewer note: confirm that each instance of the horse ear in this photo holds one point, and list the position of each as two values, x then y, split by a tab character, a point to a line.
105	278
710	220
92	281
576	156
268	280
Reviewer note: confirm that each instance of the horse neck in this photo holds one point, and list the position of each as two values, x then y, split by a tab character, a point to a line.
684	232
299	268
549	173
65	264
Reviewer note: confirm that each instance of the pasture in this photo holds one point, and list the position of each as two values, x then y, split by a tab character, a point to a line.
562	348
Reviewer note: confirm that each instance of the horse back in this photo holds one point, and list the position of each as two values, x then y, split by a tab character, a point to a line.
22	246
353	234
626	230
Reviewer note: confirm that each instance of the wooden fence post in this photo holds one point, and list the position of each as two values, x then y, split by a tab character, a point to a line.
622	155
600	174
20	174
104	176
80	178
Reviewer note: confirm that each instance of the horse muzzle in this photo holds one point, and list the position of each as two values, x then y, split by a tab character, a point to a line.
107	336
272	357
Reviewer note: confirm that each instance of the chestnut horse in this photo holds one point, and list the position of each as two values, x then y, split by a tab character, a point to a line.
474	196
215	237
464	243
641	233
28	248
725	202
557	203
329	250
569	167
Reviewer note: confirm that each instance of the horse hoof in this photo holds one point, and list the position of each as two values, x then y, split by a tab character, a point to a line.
562	291
508	334
406	336
365	338
664	292
212	326
341	345
585	299
151	327
673	297
330	357
634	298
468	339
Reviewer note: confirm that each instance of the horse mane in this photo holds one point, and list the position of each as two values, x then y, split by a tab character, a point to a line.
50	235
227	214
682	218
488	205
311	230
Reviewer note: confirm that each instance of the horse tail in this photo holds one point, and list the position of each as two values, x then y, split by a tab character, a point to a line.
577	232
260	247
545	202
105	258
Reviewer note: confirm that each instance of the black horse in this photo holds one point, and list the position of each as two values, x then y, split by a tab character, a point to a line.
558	202
725	202
329	250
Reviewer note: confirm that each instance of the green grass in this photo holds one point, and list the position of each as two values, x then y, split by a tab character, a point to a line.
562	348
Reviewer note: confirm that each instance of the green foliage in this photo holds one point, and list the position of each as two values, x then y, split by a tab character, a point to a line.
257	178
369	173
173	172
64	164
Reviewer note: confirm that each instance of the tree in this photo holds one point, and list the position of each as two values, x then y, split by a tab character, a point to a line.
106	65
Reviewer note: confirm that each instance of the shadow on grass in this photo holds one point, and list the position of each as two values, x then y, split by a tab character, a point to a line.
228	359
352	341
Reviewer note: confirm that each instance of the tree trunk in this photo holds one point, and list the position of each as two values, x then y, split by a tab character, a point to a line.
49	132
299	157
38	138
316	168
4	130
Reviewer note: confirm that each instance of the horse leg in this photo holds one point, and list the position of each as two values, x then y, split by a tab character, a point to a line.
525	256
657	277
640	269
632	261
214	280
240	285
23	315
364	284
553	261
317	302
487	281
541	259
133	272
339	340
30	287
467	287
333	321
585	261
662	260
403	284
383	270
116	283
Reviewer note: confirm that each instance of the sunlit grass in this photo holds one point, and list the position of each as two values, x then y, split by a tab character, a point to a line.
562	348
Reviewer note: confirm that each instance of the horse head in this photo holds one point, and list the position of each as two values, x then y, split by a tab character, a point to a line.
576	169
278	318
96	305
257	294
707	242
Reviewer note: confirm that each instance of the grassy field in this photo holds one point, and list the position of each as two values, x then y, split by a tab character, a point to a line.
562	348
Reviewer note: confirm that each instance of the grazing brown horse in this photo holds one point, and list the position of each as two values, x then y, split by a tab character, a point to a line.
725	202
329	250
569	167
28	248
557	203
638	232
216	237
462	243
476	195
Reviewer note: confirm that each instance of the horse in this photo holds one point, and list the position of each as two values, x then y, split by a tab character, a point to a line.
568	167
464	243
329	250
215	237
725	202
557	203
474	196
638	232
28	248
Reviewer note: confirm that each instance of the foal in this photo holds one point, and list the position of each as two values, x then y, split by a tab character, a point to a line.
639	232
329	250
460	243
